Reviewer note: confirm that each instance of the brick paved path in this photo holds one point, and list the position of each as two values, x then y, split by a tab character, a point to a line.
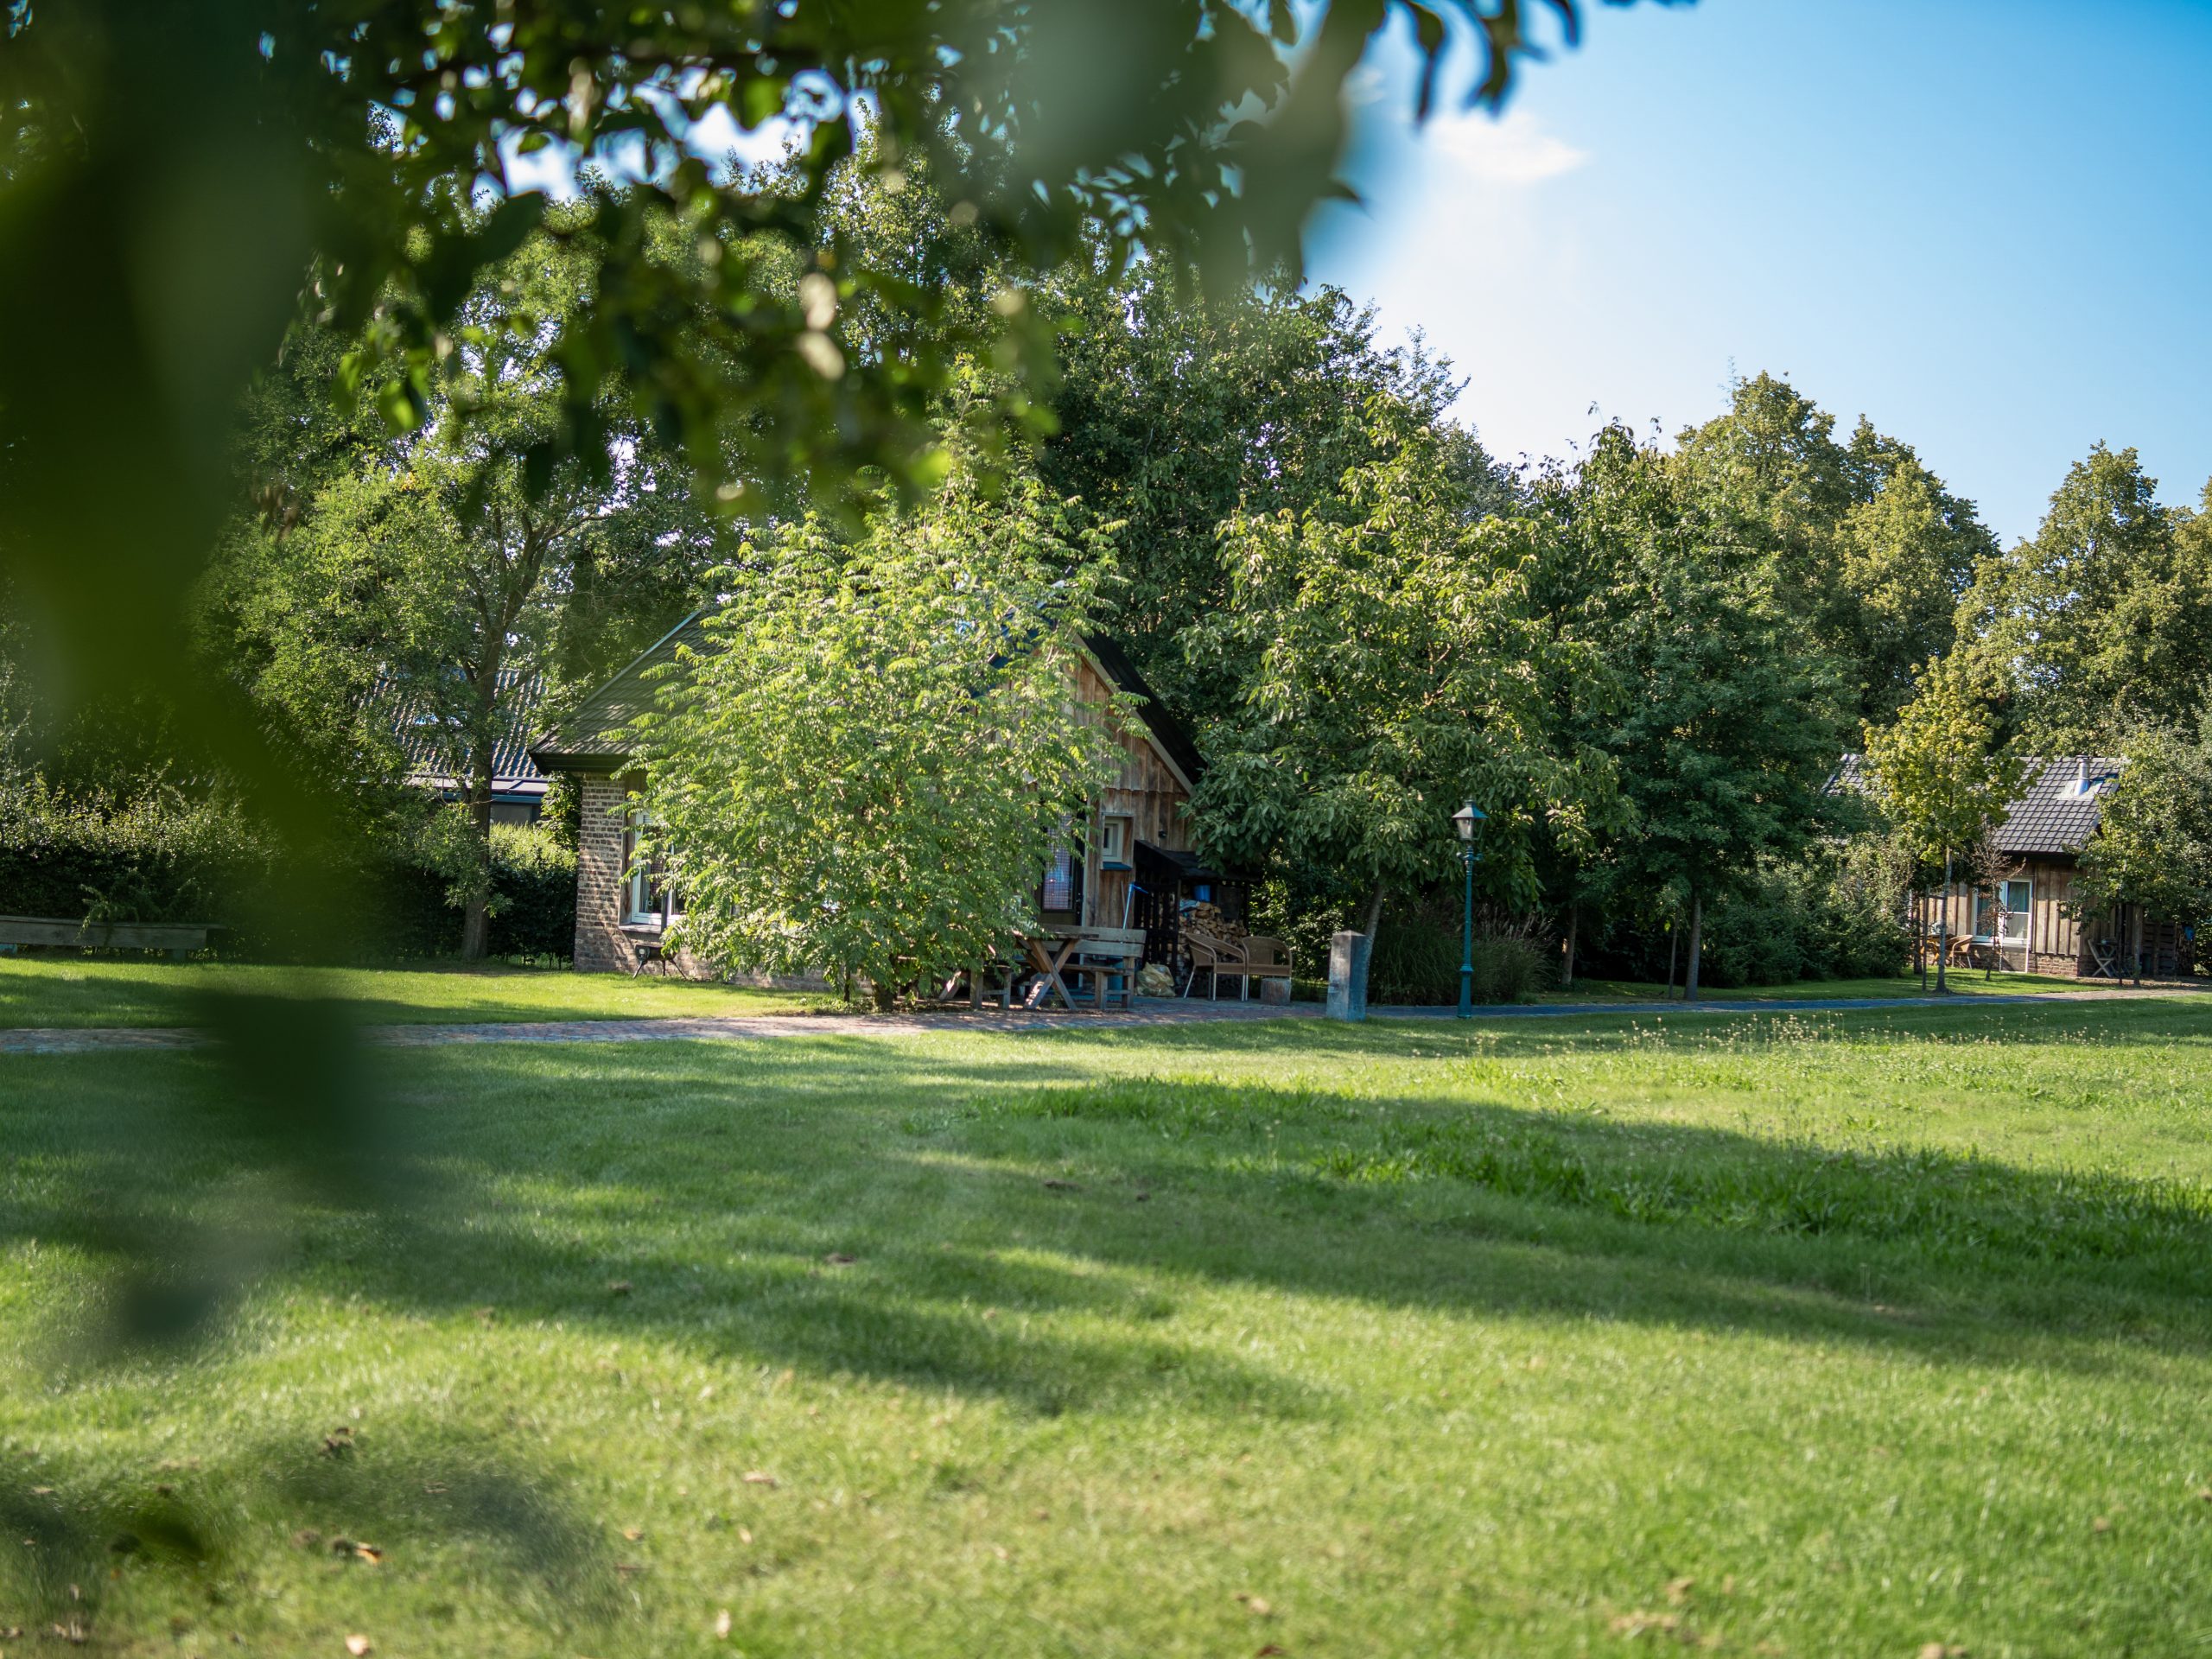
1149	1012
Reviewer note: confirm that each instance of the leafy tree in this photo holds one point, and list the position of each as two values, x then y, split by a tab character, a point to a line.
356	149
1941	773
433	575
2103	619
1906	558
1863	545
1727	722
1180	409
1400	665
865	769
2153	845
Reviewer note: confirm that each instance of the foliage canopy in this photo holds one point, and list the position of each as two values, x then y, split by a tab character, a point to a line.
864	770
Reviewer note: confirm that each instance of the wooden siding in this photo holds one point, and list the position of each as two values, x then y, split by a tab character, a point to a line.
2053	934
1146	791
2058	941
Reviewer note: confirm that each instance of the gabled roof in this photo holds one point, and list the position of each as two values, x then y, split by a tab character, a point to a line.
416	725
2057	809
590	738
1166	731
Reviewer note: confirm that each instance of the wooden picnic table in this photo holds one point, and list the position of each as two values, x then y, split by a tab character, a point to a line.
1061	951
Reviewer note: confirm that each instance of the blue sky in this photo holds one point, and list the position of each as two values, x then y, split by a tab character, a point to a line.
1987	226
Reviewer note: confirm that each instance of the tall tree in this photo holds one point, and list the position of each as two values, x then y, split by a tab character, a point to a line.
1942	773
2102	618
1730	719
1181	409
2153	845
1398	665
433	577
1863	543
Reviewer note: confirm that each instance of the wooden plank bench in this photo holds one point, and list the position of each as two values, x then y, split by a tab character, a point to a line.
180	939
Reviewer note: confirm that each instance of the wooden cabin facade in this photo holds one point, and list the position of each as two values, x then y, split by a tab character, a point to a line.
1130	864
2026	915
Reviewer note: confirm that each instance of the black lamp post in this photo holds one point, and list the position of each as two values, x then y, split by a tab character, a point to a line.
1468	821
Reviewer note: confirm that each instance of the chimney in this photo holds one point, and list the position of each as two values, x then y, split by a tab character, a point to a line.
2082	788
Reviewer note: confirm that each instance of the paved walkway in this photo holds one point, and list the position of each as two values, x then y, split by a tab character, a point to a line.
1150	1012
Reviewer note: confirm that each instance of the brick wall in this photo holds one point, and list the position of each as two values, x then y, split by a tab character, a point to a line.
603	944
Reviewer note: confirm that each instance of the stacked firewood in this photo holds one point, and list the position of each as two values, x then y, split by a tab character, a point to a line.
1206	918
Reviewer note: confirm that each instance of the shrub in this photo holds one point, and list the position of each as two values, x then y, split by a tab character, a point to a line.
1829	915
166	858
161	858
1416	962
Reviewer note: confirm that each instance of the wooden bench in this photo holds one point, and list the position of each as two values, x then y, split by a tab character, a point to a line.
180	939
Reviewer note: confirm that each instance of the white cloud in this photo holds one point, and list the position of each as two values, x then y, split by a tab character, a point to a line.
1508	150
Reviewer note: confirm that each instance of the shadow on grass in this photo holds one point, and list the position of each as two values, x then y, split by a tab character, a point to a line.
1020	1225
716	1181
347	1504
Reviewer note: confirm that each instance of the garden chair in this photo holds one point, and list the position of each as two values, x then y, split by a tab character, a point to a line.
1207	955
1264	959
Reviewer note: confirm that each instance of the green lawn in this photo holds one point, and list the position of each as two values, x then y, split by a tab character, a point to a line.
1790	1334
116	991
1966	982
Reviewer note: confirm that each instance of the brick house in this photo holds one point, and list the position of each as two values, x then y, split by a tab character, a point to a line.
2026	917
1130	864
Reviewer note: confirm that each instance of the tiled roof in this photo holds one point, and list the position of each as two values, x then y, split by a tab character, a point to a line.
2056	814
2053	813
591	739
591	736
428	759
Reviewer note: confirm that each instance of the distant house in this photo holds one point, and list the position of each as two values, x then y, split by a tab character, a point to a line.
429	741
1130	864
2027	919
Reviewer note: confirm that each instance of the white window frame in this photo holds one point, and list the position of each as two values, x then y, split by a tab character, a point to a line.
1990	907
1117	834
637	882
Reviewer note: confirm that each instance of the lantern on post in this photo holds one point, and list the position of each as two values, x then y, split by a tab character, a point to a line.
1468	821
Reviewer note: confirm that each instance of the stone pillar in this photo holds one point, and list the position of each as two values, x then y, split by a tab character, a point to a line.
1348	975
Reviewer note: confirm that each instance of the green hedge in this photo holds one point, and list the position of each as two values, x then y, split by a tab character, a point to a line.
166	860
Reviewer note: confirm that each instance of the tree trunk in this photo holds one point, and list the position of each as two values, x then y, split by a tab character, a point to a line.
1673	950
476	917
1574	923
1374	912
1697	947
884	995
1920	939
1943	928
2135	937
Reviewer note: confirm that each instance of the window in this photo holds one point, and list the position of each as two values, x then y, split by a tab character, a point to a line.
2003	915
1114	839
1062	876
646	898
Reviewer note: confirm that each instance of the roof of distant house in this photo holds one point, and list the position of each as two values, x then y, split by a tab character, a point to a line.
416	726
2057	809
592	739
